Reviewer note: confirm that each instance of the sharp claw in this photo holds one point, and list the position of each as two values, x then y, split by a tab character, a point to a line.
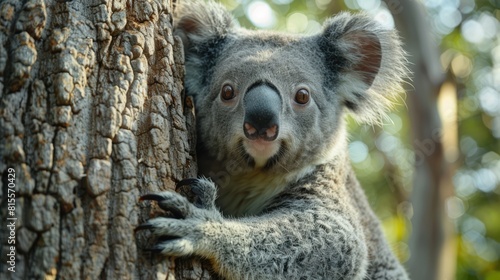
155	250
151	196
167	238
143	227
190	181
176	213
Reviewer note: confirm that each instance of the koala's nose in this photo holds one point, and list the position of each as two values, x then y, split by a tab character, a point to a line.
262	105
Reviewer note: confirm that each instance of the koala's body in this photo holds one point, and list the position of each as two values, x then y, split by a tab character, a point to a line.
271	136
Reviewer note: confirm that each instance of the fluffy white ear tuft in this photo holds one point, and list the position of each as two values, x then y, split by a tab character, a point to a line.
199	21
367	61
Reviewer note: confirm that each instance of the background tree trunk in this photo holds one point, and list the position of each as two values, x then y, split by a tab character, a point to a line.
432	243
91	116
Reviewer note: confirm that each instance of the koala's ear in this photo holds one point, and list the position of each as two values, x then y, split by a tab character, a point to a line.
197	22
366	60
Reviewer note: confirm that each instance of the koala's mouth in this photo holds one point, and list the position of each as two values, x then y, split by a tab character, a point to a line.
262	153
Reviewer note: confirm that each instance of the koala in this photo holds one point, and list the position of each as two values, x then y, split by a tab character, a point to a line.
277	197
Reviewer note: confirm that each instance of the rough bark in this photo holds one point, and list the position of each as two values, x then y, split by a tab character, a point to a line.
91	116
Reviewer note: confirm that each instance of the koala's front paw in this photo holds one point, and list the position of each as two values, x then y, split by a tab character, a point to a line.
200	192
186	231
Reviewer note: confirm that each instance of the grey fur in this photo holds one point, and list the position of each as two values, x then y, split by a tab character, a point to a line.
296	210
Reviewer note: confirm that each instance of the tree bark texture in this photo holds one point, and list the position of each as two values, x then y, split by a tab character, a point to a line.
91	116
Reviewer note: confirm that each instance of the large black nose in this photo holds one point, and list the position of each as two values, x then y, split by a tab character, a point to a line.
262	112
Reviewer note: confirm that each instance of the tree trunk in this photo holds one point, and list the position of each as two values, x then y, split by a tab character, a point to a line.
431	243
91	116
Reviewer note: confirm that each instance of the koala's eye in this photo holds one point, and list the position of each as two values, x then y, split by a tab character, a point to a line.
227	92
302	96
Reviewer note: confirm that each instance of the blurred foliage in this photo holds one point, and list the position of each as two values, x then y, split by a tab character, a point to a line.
468	33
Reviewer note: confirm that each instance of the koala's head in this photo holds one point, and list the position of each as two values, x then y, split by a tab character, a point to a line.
277	100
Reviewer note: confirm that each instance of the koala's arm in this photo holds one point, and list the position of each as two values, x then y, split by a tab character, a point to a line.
329	244
325	246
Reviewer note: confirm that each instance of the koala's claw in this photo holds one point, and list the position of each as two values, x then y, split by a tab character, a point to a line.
155	250
185	182
151	196
143	227
178	206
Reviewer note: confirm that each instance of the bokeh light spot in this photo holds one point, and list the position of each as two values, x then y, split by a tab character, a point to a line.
473	31
384	17
450	17
489	99
261	14
296	22
461	66
358	151
368	5
455	207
